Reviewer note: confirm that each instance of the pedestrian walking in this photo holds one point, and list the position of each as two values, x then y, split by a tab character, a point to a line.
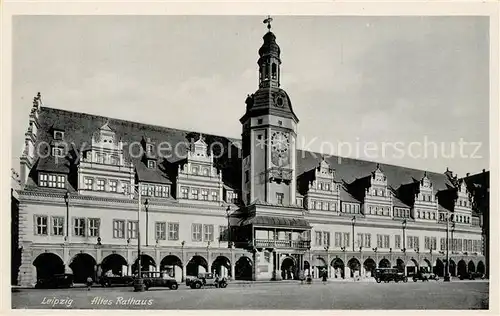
89	283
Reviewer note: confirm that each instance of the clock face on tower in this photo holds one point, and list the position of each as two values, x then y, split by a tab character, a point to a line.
280	148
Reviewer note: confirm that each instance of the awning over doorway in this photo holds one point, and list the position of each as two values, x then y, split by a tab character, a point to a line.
276	221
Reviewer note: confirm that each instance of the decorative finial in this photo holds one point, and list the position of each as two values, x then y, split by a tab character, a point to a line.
268	21
425	174
201	137
378	166
38	95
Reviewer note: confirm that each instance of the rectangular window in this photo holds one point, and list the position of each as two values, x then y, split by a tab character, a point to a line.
125	187
416	242
368	241
160	228
89	183
57	225
442	243
185	192
43	180
215	196
113	185
338	237
144	189
94	224
360	240
387	241
173	231
151	164
380	241
279	198
196	232
79	227
319	238
52	181
204	195
194	194
113	160
100	185
208	232
151	190
41	224
132	229
61	182
195	170
118	229
346	238
58	135
165	191
426	243
434	243
223	234
57	152
397	241
326	238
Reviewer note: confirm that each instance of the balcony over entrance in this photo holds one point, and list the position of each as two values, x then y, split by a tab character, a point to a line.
270	243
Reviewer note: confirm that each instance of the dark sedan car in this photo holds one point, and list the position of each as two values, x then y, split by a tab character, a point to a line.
158	279
389	274
55	281
116	280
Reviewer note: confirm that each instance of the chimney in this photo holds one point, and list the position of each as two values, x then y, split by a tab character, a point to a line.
468	174
484	170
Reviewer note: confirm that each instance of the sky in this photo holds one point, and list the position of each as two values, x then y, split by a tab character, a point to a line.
413	89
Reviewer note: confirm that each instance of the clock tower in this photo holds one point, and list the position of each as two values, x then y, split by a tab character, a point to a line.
269	134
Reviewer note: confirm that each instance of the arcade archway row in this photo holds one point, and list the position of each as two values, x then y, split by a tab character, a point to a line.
411	266
84	265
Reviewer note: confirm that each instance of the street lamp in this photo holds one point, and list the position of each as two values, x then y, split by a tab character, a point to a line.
229	242
66	200
146	206
404	237
447	275
139	283
452	240
353	220
182	255
208	256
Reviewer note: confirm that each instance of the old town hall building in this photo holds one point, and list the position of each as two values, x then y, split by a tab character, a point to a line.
256	208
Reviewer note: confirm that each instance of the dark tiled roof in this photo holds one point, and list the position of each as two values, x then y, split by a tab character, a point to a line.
276	221
398	203
53	164
346	196
79	127
348	170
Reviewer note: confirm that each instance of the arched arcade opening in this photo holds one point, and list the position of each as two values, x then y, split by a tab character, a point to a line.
83	266
47	265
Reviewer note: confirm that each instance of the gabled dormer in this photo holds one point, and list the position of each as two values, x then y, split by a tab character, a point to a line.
463	204
321	192
197	177
378	196
425	207
103	170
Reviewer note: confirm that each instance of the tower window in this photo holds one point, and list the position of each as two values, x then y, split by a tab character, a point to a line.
280	123
279	198
274	71
259	136
57	152
259	121
58	135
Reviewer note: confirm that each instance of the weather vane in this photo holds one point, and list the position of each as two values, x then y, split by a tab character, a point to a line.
268	21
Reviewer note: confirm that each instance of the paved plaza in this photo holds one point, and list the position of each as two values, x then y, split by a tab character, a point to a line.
332	295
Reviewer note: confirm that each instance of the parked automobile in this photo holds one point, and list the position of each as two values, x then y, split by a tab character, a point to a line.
55	281
207	279
471	276
424	276
116	280
158	279
389	274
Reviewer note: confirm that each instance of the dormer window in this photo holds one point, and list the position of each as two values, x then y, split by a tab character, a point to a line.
151	164
57	152
149	148
58	135
195	170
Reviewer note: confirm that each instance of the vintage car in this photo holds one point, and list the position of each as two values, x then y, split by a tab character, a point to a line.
424	276
389	274
471	276
55	281
206	279
158	279
116	280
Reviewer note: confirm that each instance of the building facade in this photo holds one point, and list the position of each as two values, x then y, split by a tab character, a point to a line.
255	208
